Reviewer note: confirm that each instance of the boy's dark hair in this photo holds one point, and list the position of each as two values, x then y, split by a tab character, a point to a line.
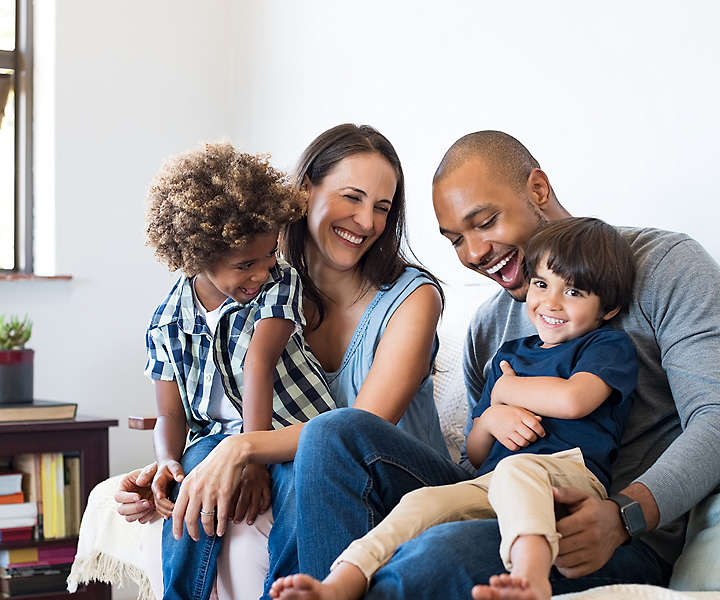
588	254
206	202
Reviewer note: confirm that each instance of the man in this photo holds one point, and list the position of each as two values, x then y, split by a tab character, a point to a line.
490	195
487	193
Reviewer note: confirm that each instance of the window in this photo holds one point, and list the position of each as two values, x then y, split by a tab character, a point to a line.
16	226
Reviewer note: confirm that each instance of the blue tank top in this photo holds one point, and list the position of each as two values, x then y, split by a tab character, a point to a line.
420	419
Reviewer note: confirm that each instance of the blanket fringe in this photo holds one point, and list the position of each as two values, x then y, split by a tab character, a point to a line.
108	569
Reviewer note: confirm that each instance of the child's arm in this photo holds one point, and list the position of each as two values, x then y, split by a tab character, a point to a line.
169	441
514	427
556	397
268	341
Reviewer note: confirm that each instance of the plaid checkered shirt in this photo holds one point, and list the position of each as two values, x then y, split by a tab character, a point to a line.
180	347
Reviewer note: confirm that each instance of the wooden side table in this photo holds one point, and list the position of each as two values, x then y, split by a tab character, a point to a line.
87	436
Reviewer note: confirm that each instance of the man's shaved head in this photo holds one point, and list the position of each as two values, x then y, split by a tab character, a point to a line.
505	157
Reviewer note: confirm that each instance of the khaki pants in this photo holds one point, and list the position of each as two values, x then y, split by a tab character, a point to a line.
518	492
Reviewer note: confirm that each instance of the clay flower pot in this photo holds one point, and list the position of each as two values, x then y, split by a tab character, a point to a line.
16	376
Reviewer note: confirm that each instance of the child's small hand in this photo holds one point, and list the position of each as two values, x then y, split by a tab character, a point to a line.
512	426
496	397
254	497
168	471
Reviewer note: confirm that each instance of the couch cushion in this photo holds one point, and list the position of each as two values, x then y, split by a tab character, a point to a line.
698	567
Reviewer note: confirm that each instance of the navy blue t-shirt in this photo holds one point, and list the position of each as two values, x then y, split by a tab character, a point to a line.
605	352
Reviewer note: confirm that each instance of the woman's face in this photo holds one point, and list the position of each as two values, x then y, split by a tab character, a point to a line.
348	209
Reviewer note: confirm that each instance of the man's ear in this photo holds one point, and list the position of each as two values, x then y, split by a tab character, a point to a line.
611	314
538	186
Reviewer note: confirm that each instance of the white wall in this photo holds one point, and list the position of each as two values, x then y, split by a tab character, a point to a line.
617	101
133	83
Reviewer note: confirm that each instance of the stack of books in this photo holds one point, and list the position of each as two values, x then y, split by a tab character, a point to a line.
17	517
38	410
49	497
35	570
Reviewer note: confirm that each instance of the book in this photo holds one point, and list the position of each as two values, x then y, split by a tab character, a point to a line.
59	496
72	494
38	410
48	491
15	522
10	483
16	534
21	509
43	580
29	465
16	558
12	498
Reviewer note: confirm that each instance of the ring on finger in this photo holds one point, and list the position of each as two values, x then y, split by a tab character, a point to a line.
208	513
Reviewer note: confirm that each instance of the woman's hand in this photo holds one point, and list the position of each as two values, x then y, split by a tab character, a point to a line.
512	426
210	487
254	495
167	472
134	495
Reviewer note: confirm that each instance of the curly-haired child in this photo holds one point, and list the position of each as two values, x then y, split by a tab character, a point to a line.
225	347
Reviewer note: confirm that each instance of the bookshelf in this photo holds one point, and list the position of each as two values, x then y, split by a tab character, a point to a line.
87	436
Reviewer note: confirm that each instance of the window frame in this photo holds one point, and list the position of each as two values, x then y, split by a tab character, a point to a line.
20	60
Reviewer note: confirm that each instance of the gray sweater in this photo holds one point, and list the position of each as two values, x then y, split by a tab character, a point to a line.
672	438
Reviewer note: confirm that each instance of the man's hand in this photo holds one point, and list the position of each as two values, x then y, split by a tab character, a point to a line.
134	496
498	391
512	426
167	472
590	533
254	495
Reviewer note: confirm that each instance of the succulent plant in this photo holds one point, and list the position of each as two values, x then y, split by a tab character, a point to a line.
14	333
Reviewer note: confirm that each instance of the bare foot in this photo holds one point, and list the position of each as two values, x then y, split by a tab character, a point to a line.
302	587
508	587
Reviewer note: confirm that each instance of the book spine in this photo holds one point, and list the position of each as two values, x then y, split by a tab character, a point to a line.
37	480
47	495
59	498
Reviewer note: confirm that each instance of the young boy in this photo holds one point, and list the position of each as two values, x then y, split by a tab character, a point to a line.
225	347
577	372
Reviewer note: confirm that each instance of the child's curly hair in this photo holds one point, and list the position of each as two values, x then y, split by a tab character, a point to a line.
208	201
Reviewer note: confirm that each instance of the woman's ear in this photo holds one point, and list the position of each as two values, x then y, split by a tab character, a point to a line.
611	314
305	185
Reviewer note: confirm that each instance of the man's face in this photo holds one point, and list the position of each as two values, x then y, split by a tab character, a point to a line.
488	223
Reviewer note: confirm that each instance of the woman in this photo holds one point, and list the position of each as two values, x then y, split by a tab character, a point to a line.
372	319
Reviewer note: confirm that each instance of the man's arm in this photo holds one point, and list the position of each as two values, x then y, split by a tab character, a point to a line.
571	398
683	310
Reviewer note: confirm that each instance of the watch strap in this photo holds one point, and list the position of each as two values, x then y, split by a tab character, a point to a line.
631	515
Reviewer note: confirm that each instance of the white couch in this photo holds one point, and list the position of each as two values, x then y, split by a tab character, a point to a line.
114	551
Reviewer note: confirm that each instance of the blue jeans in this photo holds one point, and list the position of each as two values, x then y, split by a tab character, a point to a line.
352	468
344	485
189	567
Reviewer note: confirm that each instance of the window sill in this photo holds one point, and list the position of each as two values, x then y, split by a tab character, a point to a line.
32	277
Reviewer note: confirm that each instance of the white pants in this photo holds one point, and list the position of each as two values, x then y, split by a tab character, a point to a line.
518	492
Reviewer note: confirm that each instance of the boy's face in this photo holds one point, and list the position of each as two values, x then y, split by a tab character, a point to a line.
561	312
240	274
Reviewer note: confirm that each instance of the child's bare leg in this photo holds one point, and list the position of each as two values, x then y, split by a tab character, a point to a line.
345	582
529	579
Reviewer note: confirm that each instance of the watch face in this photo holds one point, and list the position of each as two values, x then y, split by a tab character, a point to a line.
633	518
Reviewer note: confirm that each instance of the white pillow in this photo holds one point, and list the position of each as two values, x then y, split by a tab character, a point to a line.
698	567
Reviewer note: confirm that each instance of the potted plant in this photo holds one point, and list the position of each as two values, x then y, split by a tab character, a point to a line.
16	362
